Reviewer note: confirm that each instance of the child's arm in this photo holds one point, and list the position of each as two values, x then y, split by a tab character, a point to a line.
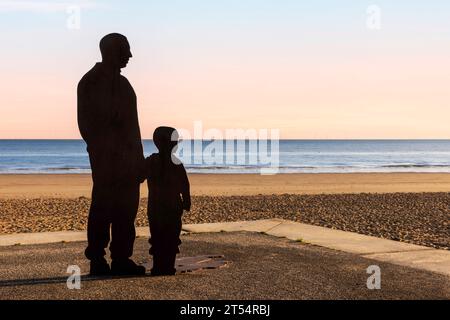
185	190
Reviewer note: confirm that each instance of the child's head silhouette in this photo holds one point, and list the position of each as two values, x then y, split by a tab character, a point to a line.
166	139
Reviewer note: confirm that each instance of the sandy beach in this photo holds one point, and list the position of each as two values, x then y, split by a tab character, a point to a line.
413	208
73	186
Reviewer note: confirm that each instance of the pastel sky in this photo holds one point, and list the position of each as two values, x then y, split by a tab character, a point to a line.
312	69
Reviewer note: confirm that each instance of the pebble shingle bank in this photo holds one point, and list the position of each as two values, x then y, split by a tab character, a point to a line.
419	218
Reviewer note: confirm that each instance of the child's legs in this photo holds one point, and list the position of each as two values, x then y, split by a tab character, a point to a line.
169	263
165	229
156	269
156	242
171	242
174	244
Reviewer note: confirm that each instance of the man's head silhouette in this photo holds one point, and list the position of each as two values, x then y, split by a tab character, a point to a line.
115	50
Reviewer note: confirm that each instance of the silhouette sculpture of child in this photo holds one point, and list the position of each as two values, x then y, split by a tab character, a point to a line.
169	195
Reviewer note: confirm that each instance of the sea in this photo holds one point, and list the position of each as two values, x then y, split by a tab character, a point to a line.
243	157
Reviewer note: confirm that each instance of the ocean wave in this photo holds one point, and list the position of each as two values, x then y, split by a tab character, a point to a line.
416	166
368	168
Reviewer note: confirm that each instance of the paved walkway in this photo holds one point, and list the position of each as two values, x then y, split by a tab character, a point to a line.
260	267
395	252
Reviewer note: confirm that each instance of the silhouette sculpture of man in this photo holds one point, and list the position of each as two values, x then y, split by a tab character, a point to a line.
108	122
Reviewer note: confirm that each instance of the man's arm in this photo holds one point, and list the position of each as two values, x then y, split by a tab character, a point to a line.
91	122
85	114
185	190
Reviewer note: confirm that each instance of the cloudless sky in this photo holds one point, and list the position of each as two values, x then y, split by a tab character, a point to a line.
312	69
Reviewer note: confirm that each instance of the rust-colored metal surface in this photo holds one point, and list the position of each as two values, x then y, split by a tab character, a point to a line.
197	263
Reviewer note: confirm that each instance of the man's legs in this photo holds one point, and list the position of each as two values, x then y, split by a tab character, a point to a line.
98	229
126	204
